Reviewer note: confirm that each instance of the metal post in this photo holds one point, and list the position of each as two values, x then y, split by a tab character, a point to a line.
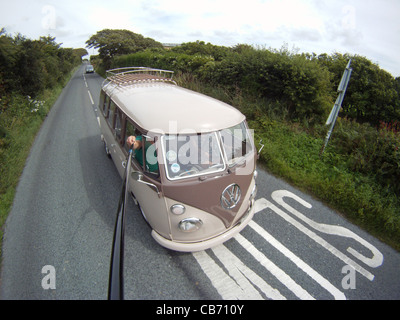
338	104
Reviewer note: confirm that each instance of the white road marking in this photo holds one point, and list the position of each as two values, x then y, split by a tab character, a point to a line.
235	280
377	257
227	288
90	96
84	78
337	294
274	269
266	204
240	283
243	275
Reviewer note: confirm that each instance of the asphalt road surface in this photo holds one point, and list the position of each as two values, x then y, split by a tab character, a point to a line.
58	236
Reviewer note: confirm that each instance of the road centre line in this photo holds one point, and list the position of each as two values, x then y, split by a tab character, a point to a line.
84	78
90	96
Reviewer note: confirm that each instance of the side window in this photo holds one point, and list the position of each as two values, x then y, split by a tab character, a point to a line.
150	156
102	100
105	100
111	114
119	123
146	157
129	131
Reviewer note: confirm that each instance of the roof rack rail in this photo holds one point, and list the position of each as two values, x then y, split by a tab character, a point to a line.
133	75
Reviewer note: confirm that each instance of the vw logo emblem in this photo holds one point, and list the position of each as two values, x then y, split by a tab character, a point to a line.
230	196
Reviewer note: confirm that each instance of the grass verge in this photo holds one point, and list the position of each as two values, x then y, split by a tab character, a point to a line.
294	156
20	123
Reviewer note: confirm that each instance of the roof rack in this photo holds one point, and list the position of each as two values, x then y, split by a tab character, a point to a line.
134	75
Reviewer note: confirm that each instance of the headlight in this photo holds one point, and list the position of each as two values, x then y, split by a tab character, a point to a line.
190	224
177	209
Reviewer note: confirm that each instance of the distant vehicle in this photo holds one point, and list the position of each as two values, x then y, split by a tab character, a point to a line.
89	69
193	176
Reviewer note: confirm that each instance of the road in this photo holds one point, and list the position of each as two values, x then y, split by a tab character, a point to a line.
58	236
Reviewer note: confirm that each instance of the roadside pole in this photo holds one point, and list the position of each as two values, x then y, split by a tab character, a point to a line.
338	104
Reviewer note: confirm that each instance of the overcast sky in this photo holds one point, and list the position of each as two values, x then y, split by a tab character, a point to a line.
370	28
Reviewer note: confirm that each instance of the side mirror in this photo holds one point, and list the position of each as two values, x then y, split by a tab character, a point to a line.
136	175
148	138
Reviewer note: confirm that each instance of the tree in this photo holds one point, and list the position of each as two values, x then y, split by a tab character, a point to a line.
112	42
80	52
7	61
29	66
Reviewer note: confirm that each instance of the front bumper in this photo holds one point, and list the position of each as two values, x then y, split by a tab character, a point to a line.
209	243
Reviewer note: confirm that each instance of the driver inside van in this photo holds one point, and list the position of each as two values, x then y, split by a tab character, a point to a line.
151	158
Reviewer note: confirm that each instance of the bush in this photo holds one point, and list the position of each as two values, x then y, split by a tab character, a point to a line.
178	62
30	66
302	85
370	151
373	94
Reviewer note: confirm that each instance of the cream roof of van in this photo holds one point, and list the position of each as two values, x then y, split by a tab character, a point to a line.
167	108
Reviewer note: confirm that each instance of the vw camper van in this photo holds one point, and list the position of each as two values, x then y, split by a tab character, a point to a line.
193	171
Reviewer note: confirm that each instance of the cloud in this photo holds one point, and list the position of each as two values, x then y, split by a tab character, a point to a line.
368	28
111	18
350	38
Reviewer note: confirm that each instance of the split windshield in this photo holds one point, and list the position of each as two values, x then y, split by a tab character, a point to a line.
188	155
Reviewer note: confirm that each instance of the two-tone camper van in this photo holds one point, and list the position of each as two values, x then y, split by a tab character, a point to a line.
193	166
